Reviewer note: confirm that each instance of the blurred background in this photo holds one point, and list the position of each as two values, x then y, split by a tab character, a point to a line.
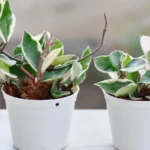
79	23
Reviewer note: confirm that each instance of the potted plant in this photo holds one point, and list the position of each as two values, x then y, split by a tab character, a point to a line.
127	94
40	85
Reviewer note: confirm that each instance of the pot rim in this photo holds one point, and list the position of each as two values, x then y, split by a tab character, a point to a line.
33	100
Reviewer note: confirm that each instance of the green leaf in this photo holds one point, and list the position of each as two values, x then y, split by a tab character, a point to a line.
49	59
31	50
55	74
57	93
134	76
116	58
76	70
148	57
103	64
145	78
16	70
62	59
124	91
18	51
126	60
80	79
111	86
2	76
113	75
7	22
7	60
4	68
134	65
58	44
86	62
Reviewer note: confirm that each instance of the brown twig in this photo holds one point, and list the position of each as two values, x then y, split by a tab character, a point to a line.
98	48
3	47
48	44
28	73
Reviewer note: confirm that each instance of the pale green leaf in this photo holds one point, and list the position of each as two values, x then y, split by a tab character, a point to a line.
62	59
76	70
113	75
126	60
134	76
31	50
103	64
86	62
145	78
56	92
124	91
58	44
55	74
49	59
7	60
7	22
111	86
135	65
116	58
80	80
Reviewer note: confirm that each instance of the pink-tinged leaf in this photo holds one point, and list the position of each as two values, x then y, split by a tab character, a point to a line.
49	59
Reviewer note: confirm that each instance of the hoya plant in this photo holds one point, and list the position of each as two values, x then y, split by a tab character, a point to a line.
39	68
130	77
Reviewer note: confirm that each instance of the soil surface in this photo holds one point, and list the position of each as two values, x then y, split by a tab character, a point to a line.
29	90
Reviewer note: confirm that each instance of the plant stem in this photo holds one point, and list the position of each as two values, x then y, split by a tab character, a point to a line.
48	44
11	57
28	73
97	49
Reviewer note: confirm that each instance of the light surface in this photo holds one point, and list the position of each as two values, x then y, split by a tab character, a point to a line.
89	131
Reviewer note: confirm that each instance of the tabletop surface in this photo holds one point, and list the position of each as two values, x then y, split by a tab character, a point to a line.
89	131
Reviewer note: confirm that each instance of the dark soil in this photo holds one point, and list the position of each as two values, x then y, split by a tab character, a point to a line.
29	90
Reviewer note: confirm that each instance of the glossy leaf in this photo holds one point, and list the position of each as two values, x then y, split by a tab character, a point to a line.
103	64
50	59
7	60
57	93
111	86
80	80
126	90
58	44
134	76
76	70
86	62
135	65
4	68
62	59
31	50
55	74
7	22
145	78
116	58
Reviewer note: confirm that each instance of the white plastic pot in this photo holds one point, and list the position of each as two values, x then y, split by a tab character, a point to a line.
130	123
40	125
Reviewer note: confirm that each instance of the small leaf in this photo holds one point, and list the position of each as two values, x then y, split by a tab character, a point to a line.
4	68
126	60
7	60
116	58
7	22
134	76
103	64
124	91
145	44
80	79
113	75
76	70
57	93
31	50
145	78
58	44
86	62
49	59
135	65
18	51
111	86
62	59
55	74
